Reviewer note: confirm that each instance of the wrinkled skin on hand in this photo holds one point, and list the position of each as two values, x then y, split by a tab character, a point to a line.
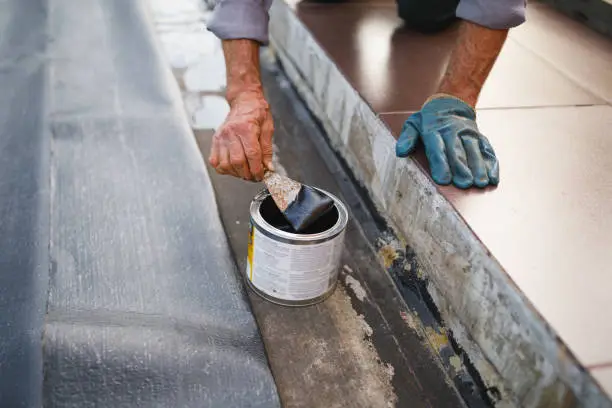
456	150
242	146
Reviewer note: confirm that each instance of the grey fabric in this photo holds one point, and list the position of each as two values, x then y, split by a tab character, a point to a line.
241	19
110	234
248	19
497	14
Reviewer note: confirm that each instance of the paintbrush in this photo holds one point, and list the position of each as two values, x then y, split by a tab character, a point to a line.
301	205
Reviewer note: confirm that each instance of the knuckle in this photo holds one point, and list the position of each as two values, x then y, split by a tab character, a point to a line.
229	129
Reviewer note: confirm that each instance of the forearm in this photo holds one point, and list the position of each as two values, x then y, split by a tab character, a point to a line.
471	61
242	67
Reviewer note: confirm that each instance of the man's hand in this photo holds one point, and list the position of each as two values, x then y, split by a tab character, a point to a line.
446	124
455	149
242	146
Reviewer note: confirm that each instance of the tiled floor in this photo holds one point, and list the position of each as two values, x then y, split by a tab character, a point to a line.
546	110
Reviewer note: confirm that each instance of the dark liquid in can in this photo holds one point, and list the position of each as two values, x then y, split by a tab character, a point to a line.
273	216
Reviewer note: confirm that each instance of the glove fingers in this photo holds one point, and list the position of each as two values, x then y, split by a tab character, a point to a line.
457	160
436	155
408	139
490	159
475	161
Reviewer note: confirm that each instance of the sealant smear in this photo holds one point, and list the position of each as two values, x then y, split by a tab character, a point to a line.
273	216
301	205
307	208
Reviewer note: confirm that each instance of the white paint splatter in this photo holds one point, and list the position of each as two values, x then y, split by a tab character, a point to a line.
186	49
209	112
371	379
347	269
181	26
390	371
207	75
356	287
409	319
367	329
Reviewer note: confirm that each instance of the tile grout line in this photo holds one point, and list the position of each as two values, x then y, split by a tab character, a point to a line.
600	366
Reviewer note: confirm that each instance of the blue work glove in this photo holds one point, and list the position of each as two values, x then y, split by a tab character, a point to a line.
455	149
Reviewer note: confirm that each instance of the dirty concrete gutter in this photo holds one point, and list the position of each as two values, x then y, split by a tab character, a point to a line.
519	357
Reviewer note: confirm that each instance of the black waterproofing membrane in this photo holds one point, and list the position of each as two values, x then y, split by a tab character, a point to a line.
117	288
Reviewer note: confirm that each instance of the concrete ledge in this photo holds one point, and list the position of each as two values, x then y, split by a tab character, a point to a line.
519	357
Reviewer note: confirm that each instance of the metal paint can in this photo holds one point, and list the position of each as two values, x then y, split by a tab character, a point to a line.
292	269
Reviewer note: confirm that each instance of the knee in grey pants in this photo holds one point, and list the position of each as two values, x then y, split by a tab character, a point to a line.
428	15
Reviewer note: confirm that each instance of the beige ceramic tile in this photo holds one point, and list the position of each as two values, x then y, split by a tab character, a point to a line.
572	48
550	221
522	79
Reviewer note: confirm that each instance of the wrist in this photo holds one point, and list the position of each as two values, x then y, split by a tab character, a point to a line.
467	94
235	94
439	95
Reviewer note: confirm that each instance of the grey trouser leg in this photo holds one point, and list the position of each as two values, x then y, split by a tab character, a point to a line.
427	15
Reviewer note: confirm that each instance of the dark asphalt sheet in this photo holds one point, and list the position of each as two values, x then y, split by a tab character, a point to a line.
117	288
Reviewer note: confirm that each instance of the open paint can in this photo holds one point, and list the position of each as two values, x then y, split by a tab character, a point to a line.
294	269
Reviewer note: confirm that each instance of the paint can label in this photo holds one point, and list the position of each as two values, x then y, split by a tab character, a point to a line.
292	272
250	252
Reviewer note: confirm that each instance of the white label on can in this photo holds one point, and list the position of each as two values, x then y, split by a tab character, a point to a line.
292	272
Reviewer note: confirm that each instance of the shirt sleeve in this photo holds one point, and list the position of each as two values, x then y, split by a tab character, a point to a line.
241	19
496	14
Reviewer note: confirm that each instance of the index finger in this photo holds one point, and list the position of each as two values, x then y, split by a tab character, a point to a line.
265	140
252	151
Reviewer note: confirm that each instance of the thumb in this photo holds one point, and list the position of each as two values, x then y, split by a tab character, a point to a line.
408	139
265	141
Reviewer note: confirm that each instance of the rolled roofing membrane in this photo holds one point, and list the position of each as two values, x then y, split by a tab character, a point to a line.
116	280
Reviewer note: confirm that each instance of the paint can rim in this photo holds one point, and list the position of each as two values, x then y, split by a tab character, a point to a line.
336	229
